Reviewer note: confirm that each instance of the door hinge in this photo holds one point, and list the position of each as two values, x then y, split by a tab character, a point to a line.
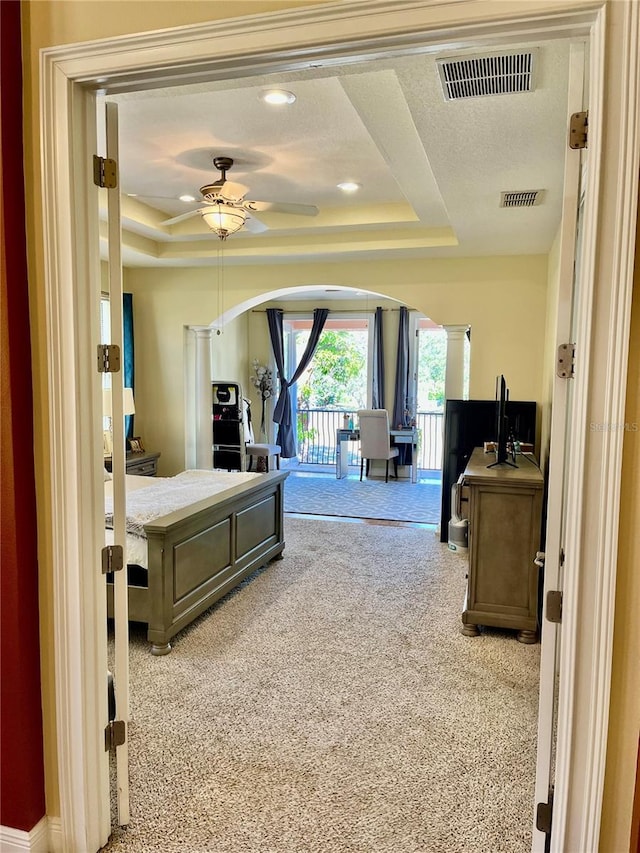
108	358
554	606
566	362
112	559
105	172
544	815
115	734
578	130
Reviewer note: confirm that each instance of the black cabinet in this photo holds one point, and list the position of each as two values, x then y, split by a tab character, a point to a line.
228	429
467	425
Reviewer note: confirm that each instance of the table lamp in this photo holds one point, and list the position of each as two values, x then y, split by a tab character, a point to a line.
128	409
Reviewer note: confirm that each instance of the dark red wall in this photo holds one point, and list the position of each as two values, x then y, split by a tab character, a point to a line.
22	800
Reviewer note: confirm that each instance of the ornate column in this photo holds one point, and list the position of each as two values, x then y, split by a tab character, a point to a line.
454	375
198	434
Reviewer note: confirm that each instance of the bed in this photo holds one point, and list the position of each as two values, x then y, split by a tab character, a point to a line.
190	540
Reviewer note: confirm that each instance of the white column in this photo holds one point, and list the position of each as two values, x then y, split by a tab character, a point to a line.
197	382
454	375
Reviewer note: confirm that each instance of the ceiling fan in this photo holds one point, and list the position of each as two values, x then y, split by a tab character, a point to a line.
226	210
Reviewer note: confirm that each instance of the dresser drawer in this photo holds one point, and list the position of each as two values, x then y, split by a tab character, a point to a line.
143	468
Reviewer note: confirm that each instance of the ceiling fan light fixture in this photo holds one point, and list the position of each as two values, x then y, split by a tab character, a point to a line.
349	186
278	97
224	220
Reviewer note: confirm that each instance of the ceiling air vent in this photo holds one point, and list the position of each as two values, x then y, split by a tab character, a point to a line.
503	73
521	198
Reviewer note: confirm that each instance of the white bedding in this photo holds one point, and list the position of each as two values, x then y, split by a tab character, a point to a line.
150	497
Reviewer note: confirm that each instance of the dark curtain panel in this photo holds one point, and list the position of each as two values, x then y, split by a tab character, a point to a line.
401	397
283	413
377	380
128	360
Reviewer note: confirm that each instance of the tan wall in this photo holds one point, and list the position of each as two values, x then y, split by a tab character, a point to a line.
479	292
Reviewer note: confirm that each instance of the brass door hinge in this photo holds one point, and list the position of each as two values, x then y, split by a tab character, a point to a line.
554	606
105	172
578	130
544	813
112	559
115	734
108	358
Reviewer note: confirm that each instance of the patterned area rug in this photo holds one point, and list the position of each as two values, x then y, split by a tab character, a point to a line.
323	494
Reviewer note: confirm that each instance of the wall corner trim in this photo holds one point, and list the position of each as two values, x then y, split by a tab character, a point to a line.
36	840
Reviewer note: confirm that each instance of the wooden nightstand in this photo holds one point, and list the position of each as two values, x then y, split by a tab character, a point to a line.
142	464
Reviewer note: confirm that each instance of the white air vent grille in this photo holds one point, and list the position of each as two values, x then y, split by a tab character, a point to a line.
478	76
521	198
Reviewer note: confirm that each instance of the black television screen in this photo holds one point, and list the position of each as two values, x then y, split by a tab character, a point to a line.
502	424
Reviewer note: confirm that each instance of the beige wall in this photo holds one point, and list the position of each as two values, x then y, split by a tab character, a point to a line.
486	293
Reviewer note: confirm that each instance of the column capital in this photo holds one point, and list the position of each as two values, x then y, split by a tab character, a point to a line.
201	331
455	331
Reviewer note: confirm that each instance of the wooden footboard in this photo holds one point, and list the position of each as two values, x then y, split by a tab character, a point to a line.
198	554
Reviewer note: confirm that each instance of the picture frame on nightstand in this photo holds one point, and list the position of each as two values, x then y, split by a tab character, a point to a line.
135	445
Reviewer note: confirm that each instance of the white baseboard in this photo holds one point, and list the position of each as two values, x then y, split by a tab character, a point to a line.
55	835
45	837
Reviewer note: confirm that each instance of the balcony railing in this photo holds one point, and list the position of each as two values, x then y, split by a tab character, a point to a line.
317	437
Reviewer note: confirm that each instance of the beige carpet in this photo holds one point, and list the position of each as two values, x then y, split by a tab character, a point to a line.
331	704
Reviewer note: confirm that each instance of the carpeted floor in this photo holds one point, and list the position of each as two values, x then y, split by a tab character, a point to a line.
400	500
330	704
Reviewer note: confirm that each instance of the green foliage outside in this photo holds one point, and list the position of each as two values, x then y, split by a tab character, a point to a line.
336	378
432	361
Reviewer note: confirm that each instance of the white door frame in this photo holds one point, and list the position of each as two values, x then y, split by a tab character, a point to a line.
287	40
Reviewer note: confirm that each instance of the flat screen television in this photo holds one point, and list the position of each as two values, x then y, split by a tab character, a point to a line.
502	426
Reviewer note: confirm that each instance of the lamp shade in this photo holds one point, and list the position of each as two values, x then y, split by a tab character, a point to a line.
127	402
224	219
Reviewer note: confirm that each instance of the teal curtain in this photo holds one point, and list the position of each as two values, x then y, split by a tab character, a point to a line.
128	374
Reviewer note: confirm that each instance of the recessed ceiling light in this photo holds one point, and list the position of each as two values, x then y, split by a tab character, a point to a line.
278	96
187	198
132	195
349	186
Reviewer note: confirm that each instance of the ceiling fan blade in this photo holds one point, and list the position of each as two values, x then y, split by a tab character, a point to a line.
254	225
282	207
182	217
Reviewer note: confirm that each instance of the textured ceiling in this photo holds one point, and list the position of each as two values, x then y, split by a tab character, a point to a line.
431	170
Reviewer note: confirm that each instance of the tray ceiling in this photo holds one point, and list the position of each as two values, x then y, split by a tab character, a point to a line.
432	171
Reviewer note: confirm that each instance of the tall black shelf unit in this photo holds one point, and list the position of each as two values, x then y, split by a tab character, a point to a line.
228	429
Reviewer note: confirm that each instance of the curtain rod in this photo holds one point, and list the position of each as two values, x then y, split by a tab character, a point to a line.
337	310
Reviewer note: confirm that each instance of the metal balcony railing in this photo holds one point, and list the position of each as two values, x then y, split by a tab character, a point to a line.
317	437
